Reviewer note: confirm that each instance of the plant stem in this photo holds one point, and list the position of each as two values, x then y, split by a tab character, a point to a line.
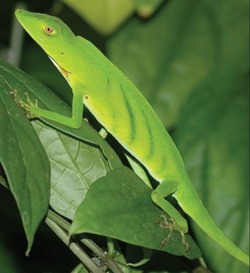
102	255
87	242
74	247
111	248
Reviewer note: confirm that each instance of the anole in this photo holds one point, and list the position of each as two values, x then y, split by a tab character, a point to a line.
123	111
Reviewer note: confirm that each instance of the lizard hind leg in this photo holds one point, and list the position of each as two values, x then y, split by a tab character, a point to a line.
176	222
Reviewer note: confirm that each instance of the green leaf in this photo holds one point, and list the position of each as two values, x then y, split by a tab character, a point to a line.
170	54
75	165
22	156
167	55
3	182
213	134
213	138
48	100
120	206
16	156
104	16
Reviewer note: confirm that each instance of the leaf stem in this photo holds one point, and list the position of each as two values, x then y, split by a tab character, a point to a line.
74	247
111	247
86	241
102	255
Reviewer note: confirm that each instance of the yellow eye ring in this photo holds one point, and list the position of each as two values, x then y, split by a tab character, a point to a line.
48	30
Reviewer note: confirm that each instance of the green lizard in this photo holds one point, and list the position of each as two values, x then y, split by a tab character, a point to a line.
108	93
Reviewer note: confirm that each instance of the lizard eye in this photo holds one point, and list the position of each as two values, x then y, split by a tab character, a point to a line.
48	30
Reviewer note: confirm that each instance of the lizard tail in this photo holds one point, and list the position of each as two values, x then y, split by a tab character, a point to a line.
195	209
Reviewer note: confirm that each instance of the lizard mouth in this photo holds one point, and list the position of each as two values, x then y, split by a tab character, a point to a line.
64	72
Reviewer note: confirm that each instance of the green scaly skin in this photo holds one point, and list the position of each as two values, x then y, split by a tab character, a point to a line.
108	94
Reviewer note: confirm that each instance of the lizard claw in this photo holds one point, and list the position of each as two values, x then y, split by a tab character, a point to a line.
172	226
30	108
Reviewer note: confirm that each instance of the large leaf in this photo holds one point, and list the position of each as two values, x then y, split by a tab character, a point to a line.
22	156
104	16
170	54
75	165
21	153
213	137
120	206
213	134
48	100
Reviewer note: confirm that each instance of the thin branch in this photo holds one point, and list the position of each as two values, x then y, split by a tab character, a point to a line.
74	247
87	242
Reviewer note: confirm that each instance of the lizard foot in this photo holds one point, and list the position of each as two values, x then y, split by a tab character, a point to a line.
31	108
172	226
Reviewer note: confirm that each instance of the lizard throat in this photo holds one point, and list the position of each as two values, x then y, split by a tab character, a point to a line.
63	71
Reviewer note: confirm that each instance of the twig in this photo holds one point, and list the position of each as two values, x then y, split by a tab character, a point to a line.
87	242
74	247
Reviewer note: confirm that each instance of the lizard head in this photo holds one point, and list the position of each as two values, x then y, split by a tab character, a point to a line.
48	31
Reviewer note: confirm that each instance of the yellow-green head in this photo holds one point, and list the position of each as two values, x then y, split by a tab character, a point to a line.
48	31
